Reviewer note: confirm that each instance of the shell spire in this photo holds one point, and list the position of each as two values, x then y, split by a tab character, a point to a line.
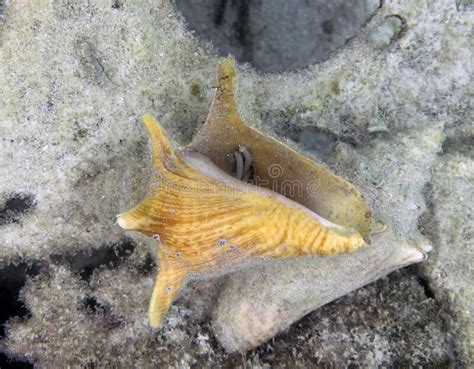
163	160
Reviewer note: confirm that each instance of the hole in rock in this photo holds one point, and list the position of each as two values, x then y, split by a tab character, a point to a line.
459	144
84	262
16	206
93	306
100	309
116	4
12	280
425	284
7	362
277	35
147	264
312	138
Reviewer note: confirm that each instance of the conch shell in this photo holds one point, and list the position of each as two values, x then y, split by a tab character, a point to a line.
204	219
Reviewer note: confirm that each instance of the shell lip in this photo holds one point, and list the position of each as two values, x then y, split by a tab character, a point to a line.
205	166
125	221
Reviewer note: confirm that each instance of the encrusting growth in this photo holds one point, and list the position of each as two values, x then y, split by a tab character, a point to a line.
204	219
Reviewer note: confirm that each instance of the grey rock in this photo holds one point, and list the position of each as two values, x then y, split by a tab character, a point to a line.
450	223
277	35
75	78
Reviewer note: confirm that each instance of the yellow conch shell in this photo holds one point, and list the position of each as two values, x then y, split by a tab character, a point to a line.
204	218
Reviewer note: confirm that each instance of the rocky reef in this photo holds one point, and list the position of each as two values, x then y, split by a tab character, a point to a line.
383	99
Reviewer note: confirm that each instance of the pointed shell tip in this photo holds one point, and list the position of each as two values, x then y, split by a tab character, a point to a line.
148	119
123	222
